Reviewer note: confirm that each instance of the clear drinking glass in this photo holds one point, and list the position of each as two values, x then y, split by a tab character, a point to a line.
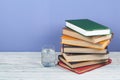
48	56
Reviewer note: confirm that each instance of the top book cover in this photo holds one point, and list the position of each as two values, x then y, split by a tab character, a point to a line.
87	27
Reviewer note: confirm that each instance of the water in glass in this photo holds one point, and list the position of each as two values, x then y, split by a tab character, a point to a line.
48	57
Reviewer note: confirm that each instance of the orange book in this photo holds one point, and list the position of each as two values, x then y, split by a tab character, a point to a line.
92	39
78	42
84	69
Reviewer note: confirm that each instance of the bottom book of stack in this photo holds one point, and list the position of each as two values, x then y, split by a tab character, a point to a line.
82	67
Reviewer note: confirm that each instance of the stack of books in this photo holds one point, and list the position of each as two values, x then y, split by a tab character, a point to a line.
84	45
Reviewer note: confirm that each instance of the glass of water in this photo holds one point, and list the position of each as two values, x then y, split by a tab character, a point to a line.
48	56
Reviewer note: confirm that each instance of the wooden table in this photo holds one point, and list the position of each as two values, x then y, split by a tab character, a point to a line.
26	66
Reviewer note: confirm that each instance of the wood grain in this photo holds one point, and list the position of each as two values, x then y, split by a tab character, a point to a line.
27	66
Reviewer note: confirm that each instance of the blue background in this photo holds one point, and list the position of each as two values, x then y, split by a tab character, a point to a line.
27	25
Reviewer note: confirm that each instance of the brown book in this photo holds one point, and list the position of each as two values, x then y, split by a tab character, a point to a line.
71	57
84	69
78	42
81	63
76	49
92	39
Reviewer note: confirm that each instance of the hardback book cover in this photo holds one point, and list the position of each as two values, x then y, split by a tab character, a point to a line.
87	27
77	49
92	39
81	63
84	69
78	42
71	57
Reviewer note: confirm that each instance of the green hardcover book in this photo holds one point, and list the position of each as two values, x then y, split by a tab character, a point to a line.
87	27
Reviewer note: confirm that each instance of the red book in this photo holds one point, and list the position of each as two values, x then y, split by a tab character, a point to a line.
84	69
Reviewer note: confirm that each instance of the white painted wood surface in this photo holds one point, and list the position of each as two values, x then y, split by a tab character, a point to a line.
26	66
